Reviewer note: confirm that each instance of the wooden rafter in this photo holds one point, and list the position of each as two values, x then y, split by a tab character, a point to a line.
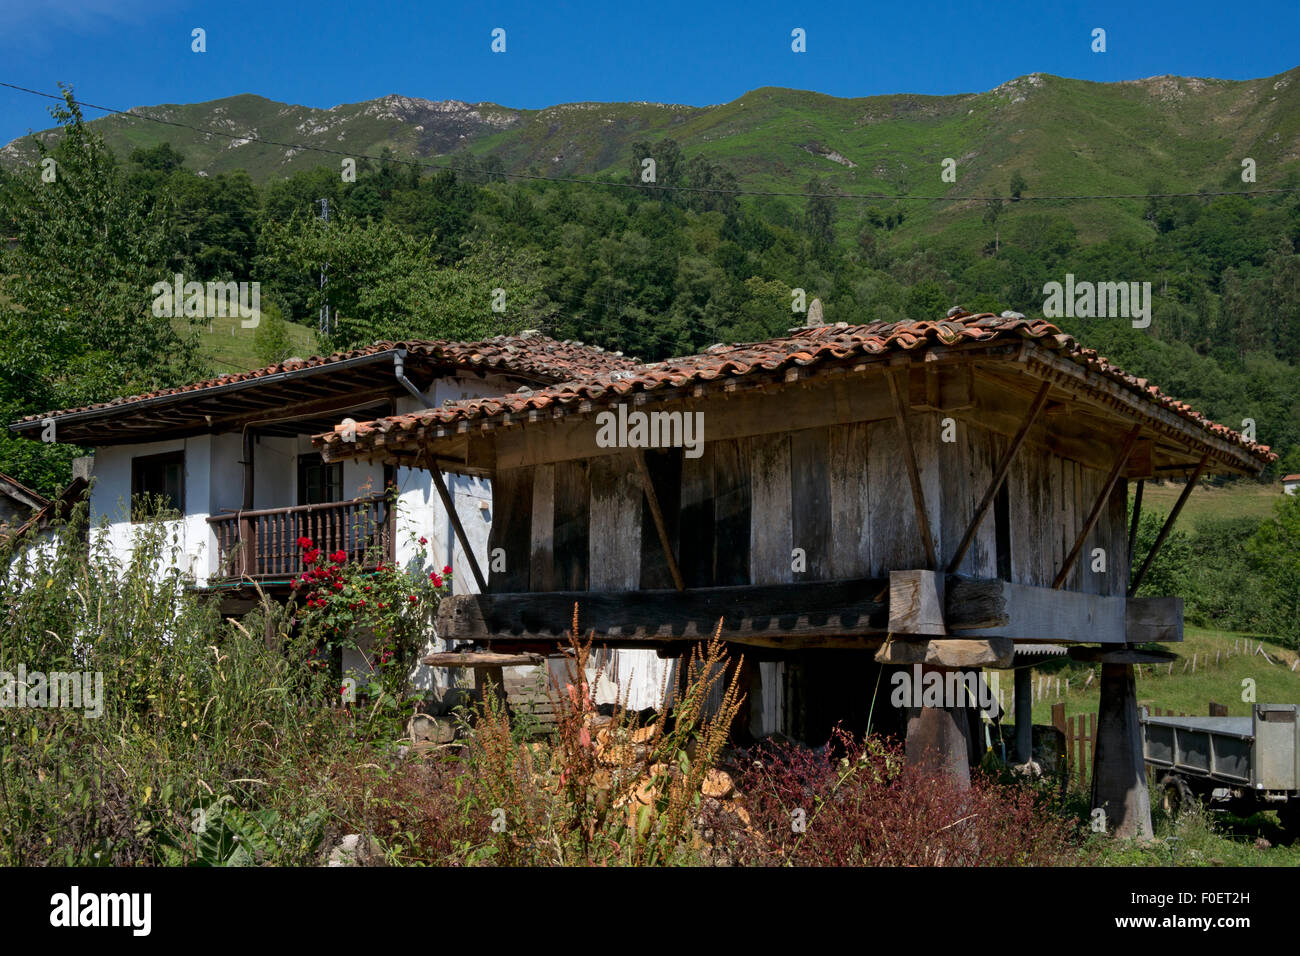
1004	467
1098	506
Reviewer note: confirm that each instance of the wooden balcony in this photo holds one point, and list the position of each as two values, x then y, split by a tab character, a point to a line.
263	544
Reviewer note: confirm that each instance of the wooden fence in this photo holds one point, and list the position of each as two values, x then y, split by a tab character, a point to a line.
1080	732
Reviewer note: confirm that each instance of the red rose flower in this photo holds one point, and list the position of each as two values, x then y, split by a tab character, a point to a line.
305	543
412	598
446	569
338	557
424	541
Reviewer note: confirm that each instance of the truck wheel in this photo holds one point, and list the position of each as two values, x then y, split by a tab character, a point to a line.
1175	794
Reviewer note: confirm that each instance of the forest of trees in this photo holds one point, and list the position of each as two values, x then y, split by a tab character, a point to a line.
414	253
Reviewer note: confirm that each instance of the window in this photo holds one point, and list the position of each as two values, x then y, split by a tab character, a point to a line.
318	482
158	480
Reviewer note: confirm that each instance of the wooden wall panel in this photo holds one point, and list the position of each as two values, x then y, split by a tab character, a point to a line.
731	511
696	527
614	544
771	513
542	571
895	540
511	530
617	498
572	517
966	468
810	491
850	502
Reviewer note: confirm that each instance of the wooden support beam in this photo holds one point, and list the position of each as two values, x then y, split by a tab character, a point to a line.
1153	619
657	513
1169	524
1119	779
961	652
916	603
1004	467
847	614
996	608
480	659
1102	502
449	503
909	458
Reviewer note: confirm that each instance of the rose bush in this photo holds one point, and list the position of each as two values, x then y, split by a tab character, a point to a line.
344	603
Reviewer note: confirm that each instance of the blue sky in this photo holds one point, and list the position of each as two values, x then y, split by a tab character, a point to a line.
127	53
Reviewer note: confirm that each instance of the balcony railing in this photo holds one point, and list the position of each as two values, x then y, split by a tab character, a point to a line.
264	543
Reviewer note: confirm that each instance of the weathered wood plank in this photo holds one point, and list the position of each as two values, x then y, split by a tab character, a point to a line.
614	550
916	604
771	510
542	571
850	502
731	512
696	528
511	529
572	528
810	500
894	541
481	659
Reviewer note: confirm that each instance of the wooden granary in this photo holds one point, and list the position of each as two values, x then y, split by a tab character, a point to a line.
844	499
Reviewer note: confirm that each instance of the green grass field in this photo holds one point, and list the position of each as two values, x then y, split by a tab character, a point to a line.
229	347
1224	660
1240	498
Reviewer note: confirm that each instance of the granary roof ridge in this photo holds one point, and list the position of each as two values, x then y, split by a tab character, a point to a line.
528	353
802	347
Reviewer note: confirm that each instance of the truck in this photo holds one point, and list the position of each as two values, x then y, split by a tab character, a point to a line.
1238	764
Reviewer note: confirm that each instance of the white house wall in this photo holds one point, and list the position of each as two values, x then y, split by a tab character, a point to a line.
214	484
111	495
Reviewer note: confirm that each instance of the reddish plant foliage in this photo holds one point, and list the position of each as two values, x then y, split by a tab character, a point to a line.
861	806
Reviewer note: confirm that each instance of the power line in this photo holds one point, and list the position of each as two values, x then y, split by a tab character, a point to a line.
714	190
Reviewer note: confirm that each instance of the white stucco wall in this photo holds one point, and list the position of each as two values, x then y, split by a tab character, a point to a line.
111	495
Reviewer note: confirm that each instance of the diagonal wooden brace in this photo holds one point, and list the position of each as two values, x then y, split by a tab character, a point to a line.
1000	476
1102	501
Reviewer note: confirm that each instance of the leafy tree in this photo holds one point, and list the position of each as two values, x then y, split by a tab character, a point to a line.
1018	186
271	340
75	316
819	217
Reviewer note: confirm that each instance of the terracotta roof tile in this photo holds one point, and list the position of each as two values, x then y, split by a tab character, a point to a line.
529	354
802	347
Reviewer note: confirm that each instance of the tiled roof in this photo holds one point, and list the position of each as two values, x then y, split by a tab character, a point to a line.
802	347
529	354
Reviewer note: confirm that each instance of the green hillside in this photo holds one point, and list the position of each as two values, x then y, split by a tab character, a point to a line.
1066	137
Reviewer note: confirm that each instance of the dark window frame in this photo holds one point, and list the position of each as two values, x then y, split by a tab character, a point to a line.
139	464
313	460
